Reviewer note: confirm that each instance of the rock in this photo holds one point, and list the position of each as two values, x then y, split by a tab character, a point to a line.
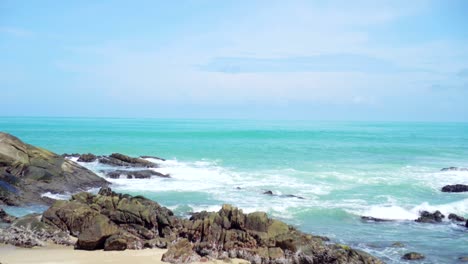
181	252
29	231
136	174
115	221
135	221
268	192
95	235
426	217
6	218
374	219
26	172
87	157
463	259
292	196
454	169
259	239
398	245
455	188
117	159
152	157
72	155
466	224
413	256
455	217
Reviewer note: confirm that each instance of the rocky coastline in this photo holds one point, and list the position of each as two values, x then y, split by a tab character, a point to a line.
114	221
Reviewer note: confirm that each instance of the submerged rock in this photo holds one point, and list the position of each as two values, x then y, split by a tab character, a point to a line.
463	258
455	188
138	174
426	217
268	192
26	172
413	256
374	219
454	169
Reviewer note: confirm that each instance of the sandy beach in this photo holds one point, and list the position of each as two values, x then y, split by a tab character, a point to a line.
55	254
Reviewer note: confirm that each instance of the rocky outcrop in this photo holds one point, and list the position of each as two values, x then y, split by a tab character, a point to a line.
455	188
136	174
29	231
87	157
427	217
117	159
26	172
112	221
454	169
134	221
456	218
413	256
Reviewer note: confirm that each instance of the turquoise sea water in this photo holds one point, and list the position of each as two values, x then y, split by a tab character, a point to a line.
342	169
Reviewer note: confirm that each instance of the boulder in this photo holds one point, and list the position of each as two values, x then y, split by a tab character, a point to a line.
456	218
455	188
136	174
26	172
413	256
95	235
117	159
426	217
87	157
268	192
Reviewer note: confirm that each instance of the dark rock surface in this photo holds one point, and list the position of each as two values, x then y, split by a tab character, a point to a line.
136	174
269	192
374	219
427	217
454	169
413	256
117	159
455	188
152	157
26	172
112	221
456	218
87	157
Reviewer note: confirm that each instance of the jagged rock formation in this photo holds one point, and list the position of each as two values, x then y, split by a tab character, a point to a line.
112	221
26	172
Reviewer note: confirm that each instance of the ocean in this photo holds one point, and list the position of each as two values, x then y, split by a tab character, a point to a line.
343	170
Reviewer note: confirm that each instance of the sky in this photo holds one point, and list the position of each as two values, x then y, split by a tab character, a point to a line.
319	60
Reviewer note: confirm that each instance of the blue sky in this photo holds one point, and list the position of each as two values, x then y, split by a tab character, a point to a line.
326	60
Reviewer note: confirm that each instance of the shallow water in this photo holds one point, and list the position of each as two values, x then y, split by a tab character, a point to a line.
342	170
